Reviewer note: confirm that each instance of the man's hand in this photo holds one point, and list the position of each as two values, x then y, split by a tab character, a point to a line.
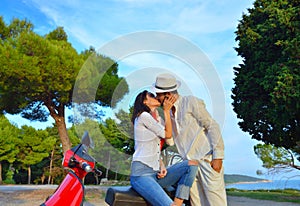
216	164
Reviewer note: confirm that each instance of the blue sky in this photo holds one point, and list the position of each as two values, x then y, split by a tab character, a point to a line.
209	25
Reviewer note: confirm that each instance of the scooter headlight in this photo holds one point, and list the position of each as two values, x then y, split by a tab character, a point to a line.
86	167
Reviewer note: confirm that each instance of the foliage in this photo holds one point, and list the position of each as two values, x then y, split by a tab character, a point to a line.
98	81
40	152
34	146
52	170
275	159
38	75
266	96
8	142
113	153
9	176
126	128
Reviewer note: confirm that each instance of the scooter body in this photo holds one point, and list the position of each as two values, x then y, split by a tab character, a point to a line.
79	164
69	192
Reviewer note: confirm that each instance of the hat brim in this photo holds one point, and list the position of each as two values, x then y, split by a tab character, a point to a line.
156	90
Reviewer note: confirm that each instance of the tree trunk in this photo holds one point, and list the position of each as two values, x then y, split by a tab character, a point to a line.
97	179
63	134
295	166
29	175
43	178
50	166
1	180
108	166
58	114
116	174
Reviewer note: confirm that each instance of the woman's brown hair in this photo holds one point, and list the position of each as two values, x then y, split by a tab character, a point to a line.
139	107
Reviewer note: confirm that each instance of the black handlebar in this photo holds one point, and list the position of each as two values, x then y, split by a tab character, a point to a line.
98	172
72	162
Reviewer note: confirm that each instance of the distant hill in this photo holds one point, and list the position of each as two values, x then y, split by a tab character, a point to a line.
229	179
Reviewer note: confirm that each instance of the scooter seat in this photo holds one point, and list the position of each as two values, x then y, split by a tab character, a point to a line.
124	196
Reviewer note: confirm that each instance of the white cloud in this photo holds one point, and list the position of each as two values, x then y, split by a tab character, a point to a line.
96	22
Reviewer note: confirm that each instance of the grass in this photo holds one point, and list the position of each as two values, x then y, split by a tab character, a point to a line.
286	195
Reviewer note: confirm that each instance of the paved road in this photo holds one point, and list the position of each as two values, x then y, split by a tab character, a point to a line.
12	188
232	201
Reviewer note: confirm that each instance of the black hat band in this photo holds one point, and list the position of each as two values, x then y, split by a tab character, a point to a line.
165	88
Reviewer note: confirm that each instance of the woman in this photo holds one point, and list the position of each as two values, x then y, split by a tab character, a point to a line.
148	173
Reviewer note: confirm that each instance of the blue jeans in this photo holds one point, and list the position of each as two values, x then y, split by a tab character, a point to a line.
151	188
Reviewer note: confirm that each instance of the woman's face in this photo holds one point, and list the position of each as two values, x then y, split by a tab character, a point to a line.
151	101
161	97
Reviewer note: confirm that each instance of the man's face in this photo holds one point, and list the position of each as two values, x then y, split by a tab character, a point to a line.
161	97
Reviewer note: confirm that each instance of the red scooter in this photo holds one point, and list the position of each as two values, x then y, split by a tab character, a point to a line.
79	163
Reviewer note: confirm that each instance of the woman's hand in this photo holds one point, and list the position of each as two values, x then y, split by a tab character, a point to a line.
167	105
163	172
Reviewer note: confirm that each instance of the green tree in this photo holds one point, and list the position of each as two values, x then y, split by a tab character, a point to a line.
54	171
275	159
125	126
34	146
266	95
38	75
113	153
8	141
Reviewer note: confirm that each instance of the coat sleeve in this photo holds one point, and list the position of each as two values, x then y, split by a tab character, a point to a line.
210	126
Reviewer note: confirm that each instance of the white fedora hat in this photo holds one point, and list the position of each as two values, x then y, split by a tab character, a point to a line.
165	83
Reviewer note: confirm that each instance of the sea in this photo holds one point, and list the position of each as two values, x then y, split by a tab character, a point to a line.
267	185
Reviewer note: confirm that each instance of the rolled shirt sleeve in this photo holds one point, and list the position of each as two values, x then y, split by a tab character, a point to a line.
152	126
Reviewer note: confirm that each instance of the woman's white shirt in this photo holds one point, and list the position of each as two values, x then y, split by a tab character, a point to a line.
147	134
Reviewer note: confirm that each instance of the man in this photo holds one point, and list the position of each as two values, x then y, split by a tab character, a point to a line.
197	136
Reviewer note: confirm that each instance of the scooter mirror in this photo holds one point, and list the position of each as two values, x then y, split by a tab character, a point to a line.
87	140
